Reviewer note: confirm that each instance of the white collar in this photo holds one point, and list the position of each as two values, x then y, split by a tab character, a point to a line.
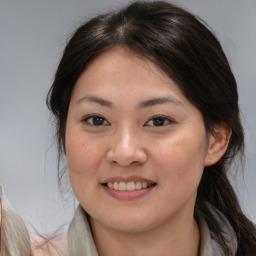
80	239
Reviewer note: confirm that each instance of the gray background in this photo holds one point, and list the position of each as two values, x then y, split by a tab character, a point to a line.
32	36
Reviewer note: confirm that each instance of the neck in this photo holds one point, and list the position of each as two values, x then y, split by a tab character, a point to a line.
177	238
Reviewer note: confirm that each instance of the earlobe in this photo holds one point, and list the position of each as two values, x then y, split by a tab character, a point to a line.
218	143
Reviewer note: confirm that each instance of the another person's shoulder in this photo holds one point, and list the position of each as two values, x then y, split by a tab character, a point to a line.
54	246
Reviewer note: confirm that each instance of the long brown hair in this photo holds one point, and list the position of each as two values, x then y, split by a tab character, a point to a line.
187	51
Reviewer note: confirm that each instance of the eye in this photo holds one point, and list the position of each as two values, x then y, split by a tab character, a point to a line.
159	121
95	120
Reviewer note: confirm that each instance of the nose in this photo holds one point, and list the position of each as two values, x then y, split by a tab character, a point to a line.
126	149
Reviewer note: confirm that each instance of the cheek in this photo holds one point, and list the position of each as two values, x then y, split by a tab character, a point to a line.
82	152
77	153
181	160
83	158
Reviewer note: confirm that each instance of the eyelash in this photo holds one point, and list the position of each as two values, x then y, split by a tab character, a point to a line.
88	120
167	121
93	117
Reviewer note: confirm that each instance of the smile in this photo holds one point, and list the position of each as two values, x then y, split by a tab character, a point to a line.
128	186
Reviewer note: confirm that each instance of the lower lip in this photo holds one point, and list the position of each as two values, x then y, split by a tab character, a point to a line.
128	195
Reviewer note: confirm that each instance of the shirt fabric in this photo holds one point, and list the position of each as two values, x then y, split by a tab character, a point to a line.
80	239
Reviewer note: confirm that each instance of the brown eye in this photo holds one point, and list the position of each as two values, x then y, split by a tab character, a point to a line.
95	120
159	121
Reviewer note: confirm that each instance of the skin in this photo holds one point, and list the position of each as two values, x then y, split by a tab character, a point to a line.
128	142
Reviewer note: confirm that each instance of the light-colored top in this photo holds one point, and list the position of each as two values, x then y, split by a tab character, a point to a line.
80	239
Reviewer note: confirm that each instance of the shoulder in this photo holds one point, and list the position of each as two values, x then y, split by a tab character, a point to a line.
43	246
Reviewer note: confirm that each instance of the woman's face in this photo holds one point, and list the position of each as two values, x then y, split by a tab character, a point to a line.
136	147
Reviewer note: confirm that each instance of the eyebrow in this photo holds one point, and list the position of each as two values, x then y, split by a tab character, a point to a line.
157	101
144	104
95	99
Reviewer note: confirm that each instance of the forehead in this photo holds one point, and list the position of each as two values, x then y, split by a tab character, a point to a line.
122	70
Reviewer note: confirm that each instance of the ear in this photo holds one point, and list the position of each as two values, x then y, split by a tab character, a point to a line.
218	143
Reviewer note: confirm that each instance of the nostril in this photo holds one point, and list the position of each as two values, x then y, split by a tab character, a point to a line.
126	156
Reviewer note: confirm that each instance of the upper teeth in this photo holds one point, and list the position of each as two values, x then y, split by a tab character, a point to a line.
129	186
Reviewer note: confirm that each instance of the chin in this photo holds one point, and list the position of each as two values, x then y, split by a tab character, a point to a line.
128	222
130	227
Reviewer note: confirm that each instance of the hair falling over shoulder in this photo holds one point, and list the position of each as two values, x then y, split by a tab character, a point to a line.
188	52
14	240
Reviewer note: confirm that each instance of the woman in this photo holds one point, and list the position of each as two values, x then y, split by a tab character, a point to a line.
145	95
148	118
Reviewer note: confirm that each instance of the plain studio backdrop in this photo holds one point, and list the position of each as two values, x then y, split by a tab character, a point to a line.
33	34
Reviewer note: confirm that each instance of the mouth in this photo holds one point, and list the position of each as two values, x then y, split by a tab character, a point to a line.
128	186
